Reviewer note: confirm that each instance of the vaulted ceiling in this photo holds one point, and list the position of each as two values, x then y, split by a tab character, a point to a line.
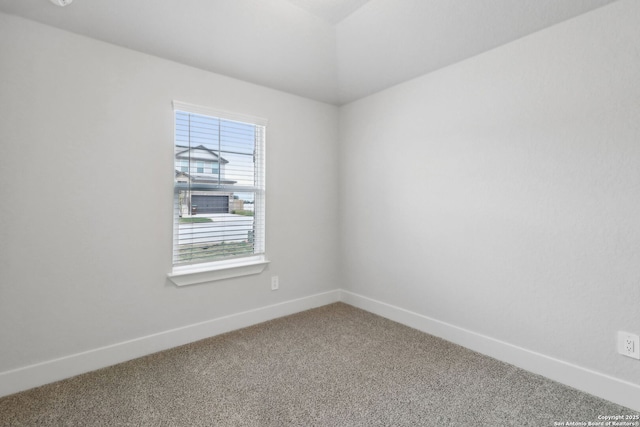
334	51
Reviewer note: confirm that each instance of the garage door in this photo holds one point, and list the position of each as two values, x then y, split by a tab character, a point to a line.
210	204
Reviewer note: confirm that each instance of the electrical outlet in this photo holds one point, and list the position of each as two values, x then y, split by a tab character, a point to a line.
629	344
275	283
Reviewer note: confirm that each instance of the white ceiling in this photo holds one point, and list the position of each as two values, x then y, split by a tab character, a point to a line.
332	11
334	51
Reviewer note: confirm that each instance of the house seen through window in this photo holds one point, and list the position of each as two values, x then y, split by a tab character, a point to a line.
218	188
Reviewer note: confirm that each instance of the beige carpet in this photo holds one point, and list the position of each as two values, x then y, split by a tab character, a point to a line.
331	366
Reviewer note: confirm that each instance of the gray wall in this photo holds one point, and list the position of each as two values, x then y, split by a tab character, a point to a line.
86	202
501	194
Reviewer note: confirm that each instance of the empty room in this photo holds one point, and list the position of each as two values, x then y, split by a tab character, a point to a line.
320	212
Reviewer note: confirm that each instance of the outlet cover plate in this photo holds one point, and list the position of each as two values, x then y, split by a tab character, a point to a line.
629	344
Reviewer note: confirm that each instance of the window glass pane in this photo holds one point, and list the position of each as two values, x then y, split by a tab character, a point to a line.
219	205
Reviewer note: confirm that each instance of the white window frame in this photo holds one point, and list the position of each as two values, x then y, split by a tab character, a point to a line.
190	274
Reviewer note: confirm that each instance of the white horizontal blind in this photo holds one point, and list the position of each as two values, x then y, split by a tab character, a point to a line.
219	186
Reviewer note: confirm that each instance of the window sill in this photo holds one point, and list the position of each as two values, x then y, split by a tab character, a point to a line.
210	272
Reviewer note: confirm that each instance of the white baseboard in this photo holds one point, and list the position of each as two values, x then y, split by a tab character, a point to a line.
65	367
604	386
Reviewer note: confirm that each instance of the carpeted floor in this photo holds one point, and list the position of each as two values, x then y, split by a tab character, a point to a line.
331	366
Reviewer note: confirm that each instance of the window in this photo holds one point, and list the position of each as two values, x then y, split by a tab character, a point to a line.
219	206
214	168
